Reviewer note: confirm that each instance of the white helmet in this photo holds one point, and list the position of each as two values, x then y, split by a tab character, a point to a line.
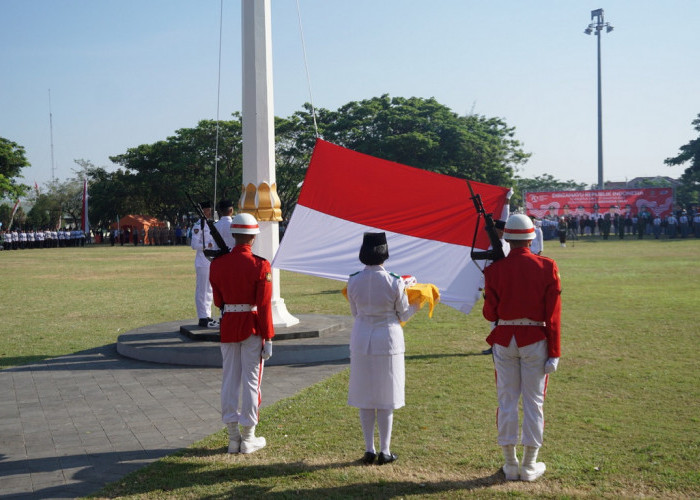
244	223
519	227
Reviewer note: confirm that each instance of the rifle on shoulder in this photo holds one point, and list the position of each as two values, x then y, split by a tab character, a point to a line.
496	251
223	248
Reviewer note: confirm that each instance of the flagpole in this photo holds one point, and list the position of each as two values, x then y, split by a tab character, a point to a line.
259	191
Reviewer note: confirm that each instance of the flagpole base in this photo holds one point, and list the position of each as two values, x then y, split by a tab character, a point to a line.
280	316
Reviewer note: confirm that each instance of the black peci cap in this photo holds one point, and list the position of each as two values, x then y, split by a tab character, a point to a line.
225	205
374	249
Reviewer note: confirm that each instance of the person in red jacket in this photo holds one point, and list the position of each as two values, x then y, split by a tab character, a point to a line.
242	288
522	294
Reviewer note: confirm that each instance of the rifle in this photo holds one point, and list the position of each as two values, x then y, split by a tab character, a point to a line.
496	251
223	248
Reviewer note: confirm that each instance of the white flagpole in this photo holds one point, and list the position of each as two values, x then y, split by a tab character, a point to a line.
259	193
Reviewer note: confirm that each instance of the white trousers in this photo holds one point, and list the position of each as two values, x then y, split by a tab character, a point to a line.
240	380
203	296
520	371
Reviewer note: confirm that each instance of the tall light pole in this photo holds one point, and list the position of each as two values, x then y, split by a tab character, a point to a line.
598	25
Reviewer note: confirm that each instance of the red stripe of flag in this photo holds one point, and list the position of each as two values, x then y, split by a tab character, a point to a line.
395	197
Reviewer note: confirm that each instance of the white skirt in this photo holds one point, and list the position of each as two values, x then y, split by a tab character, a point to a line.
377	381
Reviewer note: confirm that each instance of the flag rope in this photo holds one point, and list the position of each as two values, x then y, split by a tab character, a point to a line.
306	67
218	100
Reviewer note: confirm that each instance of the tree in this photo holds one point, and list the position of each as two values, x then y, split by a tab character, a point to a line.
46	212
544	182
418	132
294	143
426	134
689	191
158	175
68	197
12	161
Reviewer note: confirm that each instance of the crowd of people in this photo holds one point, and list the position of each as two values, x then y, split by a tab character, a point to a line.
152	236
21	239
24	239
679	224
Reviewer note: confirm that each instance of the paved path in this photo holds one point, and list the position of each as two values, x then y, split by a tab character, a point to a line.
71	424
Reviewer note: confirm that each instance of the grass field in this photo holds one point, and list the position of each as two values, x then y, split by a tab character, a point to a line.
622	411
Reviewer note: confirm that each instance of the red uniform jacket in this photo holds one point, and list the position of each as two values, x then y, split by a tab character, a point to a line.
241	277
524	285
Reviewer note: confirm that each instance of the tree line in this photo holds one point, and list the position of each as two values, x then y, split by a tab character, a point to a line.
153	178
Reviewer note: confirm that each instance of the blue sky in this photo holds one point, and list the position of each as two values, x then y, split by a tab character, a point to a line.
129	72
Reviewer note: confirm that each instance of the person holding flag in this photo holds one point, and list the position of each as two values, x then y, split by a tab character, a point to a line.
201	241
379	303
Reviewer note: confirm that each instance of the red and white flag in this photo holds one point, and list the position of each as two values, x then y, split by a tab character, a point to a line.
428	218
84	222
14	210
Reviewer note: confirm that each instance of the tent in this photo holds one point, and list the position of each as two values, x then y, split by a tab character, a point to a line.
139	222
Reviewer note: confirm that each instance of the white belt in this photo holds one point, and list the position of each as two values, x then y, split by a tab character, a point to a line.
520	322
239	308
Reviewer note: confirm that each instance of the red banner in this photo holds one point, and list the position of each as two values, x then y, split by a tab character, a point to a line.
658	201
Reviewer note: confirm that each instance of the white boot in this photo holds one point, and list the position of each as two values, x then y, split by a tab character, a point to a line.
510	468
234	438
250	443
531	469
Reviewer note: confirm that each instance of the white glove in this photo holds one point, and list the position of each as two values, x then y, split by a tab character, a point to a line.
551	365
267	350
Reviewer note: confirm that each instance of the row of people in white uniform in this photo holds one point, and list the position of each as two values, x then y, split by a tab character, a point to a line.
17	240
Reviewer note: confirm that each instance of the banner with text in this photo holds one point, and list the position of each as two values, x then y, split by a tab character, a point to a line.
658	201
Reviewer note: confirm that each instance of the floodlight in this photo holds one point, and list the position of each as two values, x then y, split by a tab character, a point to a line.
598	26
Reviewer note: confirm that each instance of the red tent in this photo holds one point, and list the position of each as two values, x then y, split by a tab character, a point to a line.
138	222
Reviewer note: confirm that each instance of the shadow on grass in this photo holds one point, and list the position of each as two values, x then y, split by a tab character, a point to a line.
446	355
240	475
323	292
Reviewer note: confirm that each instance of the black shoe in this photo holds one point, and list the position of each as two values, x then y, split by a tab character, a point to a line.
487	351
203	322
368	458
385	459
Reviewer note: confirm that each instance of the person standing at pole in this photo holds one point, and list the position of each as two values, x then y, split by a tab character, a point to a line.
202	240
242	287
523	295
223	225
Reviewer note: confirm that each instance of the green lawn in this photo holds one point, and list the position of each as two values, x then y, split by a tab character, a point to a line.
622	411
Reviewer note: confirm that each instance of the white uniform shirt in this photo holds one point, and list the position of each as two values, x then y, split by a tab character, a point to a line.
538	242
201	239
223	225
378	302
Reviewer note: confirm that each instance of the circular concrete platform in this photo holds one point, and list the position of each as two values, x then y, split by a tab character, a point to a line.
317	338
